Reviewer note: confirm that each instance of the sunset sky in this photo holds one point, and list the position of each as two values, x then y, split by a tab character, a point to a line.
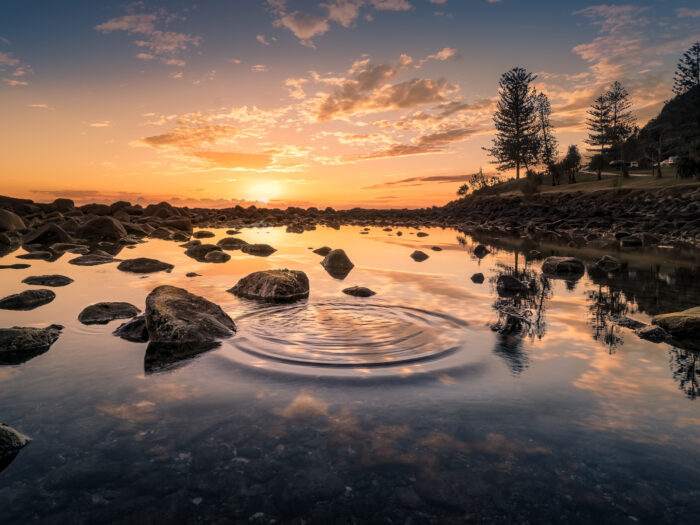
375	103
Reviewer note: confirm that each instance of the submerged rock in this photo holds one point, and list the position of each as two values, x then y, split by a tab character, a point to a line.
200	252
481	251
627	322
359	291
27	300
337	264
19	344
11	440
134	330
48	280
608	264
161	357
436	249
260	250
217	257
478	278
203	234
192	274
174	315
323	250
509	285
231	243
655	334
93	259
144	265
563	266
273	285
103	313
419	256
683	325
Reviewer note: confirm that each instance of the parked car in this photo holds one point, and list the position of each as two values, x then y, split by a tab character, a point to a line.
669	161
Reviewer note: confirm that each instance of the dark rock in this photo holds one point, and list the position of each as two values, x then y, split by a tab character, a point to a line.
17	266
481	251
509	285
323	251
19	344
181	224
563	266
27	300
144	265
295	228
40	255
273	285
203	235
337	264
231	243
511	320
134	330
173	315
436	249
232	232
655	334
359	291
103	313
11	440
163	357
627	322
93	259
421	234
419	256
683	325
102	229
216	256
192	274
478	278
200	252
192	243
46	235
608	264
10	222
261	250
48	280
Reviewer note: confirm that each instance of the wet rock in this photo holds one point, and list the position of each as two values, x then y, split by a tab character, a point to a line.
72	247
419	256
231	243
436	249
217	257
192	274
608	264
144	265
481	251
103	313
48	280
295	228
19	344
683	325
655	334
181	224
40	255
11	440
10	222
511	320
163	357
563	267
260	250
200	252
627	322
399	233
232	232
337	264
17	266
203	235
173	315
478	278
421	234
273	285
323	250
134	330
47	235
359	291
102	229
27	300
192	243
509	285
93	259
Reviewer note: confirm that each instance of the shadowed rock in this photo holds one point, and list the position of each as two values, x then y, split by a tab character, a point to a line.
273	285
39	255
509	285
10	222
478	278
683	326
231	243
134	330
11	440
190	244
193	274
173	315
102	229
47	235
48	280
259	250
421	234
359	291
419	256
199	252
203	235
481	251
655	334
16	266
608	264
323	251
27	300
93	259
217	256
103	313
232	232
144	265
568	267
436	249
162	357
337	264
19	344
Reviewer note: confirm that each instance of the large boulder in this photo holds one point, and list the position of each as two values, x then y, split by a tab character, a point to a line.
181	224
46	235
273	285
103	313
27	300
682	326
48	280
173	315
134	330
217	256
563	266
10	222
337	264
11	440
19	344
144	265
102	229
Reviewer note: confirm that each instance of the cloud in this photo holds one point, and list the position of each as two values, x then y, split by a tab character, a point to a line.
684	12
259	68
191	136
295	87
304	26
417	181
234	160
261	39
9	61
101	124
39	106
15	83
431	143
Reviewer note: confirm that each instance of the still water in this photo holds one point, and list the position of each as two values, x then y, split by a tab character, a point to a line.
404	407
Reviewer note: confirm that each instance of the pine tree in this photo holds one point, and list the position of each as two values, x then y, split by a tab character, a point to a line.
572	162
516	143
598	122
547	141
622	120
688	72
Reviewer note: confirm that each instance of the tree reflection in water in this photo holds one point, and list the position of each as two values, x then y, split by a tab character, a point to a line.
684	366
606	303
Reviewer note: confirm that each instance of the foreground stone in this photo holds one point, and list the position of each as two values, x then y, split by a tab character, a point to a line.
419	256
101	229
11	440
10	222
200	252
134	330
563	266
27	300
231	243
273	285
683	325
48	280
359	291
478	278
260	250
217	257
173	315
655	334
203	235
17	266
337	264
47	235
93	259
19	344
144	265
103	313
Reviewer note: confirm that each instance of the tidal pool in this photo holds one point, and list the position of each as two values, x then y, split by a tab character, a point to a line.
404	407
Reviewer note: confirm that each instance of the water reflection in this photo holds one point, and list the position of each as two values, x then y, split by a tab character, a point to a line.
684	366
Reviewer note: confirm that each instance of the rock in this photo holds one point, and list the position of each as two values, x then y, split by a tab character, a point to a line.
509	285
231	243
421	234
295	228
563	266
11	440
62	247
261	250
511	320
93	259
200	252
10	222
192	274
436	249
323	251
19	344
478	278
101	229
683	325
359	291
17	266
48	280
399	233
162	357
27	300
134	330
181	224
481	251
232	232
419	256
40	255
203	234
273	285
173	315
655	334
144	265
608	264
47	235
216	257
627	322
337	264
103	313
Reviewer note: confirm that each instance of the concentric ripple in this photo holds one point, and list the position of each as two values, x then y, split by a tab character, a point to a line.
330	334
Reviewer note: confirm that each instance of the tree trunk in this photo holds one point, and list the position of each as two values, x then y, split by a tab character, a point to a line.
600	167
517	170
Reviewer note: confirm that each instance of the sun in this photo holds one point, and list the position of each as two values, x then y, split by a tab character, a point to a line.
263	191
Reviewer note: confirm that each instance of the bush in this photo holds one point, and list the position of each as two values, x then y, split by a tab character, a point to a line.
687	167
